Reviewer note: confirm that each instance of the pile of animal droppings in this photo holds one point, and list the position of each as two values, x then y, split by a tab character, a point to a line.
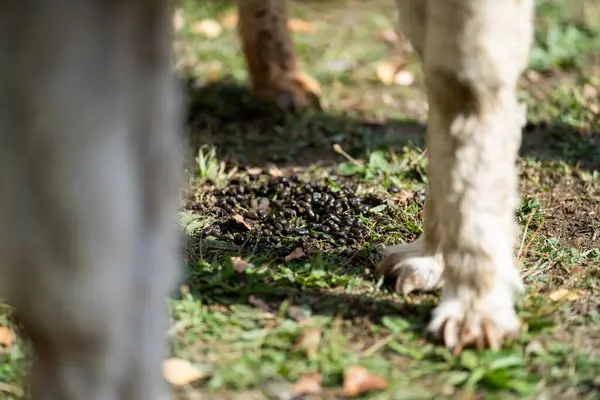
280	214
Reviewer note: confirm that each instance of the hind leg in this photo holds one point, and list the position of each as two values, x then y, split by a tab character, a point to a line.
273	65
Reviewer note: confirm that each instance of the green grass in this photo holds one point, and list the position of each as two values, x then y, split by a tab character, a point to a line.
242	329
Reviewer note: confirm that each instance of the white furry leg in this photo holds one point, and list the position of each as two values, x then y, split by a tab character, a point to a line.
475	51
414	268
417	265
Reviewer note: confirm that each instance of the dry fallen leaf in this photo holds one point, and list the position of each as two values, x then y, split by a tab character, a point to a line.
232	172
184	289
576	270
309	342
207	27
590	91
357	380
295	254
390	73
388	35
404	78
564	294
240	265
299	25
386	72
240	219
7	336
593	107
178	20
403	196
275	172
533	76
254	171
534	347
179	372
309	385
229	20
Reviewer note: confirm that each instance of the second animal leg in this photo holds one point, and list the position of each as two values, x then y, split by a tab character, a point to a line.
271	57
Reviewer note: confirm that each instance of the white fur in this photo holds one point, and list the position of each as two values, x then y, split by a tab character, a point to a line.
427	269
473	52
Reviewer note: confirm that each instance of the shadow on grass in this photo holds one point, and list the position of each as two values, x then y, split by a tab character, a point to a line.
247	131
292	292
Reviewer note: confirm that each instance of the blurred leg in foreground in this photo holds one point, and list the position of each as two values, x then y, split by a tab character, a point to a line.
89	173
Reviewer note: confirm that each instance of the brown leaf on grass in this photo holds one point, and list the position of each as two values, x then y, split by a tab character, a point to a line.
254	171
564	294
178	20
593	107
309	342
232	172
533	76
207	27
403	196
229	20
238	218
301	26
275	172
590	91
179	372
392	74
386	71
7	336
576	270
295	254
534	347
357	380
404	78
309	385
240	265
388	35
184	289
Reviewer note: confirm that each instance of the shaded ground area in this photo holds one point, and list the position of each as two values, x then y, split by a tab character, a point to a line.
285	216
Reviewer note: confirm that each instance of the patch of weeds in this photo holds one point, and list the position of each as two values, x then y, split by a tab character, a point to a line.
530	208
561	47
386	167
567	107
565	36
209	167
192	222
551	249
494	372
